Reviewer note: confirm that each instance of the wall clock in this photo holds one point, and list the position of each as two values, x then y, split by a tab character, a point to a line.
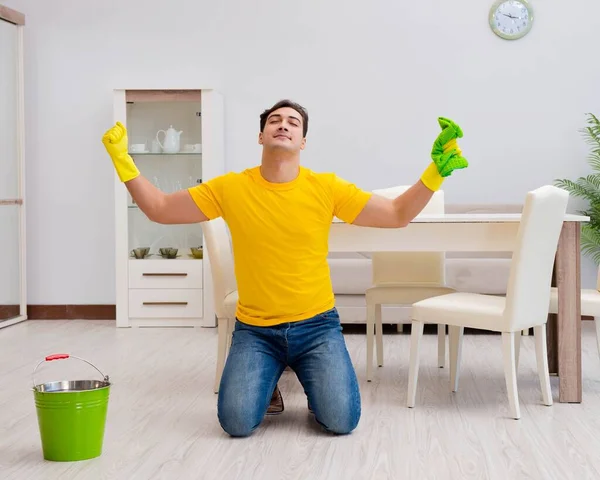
511	19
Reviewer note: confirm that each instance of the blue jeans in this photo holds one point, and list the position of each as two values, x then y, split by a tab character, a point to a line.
314	349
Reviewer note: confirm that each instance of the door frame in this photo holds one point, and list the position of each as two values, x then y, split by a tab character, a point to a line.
18	19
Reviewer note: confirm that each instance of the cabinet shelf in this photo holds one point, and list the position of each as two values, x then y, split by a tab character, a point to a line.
184	257
150	154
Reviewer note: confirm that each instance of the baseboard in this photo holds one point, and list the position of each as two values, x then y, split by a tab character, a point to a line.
9	311
80	312
71	312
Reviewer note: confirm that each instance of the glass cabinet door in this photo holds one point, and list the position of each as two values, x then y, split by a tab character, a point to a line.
11	286
165	142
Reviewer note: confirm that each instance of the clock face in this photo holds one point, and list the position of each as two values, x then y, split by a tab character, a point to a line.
511	19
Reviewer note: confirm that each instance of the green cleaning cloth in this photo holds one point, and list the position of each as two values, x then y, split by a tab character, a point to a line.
446	154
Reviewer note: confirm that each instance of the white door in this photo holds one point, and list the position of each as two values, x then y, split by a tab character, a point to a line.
13	296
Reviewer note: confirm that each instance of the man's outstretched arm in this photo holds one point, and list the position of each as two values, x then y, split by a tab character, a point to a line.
396	212
160	207
166	208
400	211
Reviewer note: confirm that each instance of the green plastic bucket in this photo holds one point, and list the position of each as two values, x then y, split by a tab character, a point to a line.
71	415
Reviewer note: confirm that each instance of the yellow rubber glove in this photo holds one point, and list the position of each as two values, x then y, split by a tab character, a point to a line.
431	178
115	141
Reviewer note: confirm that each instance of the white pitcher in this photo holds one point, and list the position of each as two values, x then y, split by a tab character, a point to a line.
171	141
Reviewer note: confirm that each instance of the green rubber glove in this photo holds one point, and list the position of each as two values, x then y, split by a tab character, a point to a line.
445	153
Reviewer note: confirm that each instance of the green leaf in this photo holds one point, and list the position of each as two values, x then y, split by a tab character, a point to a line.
591	133
594	160
593	180
584	187
588	188
590	242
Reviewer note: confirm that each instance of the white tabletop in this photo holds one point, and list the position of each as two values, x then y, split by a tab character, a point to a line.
479	218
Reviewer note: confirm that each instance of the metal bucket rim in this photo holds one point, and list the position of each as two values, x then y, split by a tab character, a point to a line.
103	385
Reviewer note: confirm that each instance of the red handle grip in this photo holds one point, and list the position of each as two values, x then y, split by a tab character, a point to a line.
57	356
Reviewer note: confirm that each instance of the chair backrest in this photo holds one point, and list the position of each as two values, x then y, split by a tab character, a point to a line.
218	248
414	268
530	278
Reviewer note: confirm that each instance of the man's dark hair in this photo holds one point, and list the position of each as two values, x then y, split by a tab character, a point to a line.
282	104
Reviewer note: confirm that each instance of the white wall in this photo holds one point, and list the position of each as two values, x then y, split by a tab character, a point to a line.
373	75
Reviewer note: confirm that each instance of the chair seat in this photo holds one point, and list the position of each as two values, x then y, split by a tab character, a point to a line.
230	305
462	309
402	294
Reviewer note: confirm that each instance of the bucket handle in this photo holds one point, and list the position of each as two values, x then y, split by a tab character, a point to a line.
63	356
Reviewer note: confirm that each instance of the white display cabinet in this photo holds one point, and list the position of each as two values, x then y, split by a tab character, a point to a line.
176	140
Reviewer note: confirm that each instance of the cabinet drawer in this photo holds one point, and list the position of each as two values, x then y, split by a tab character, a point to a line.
165	273
172	303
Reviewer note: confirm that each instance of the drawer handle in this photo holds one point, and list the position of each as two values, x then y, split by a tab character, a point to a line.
165	303
164	274
11	201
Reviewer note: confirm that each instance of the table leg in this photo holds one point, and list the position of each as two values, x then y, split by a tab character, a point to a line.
568	282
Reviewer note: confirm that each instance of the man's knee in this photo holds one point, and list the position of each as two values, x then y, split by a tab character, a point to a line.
237	417
342	426
237	422
236	427
340	421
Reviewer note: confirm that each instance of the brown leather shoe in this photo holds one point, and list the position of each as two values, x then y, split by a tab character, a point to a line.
276	406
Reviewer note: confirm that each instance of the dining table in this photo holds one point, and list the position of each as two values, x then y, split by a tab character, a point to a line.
492	232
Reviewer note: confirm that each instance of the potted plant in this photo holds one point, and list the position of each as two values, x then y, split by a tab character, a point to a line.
588	188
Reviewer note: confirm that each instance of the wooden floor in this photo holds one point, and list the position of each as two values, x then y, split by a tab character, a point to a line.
162	415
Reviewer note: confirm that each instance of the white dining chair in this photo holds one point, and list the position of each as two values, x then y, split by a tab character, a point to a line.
525	305
225	295
590	304
402	278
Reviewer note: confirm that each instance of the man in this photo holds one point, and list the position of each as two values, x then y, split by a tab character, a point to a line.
279	215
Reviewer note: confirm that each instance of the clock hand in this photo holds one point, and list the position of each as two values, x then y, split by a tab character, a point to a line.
514	19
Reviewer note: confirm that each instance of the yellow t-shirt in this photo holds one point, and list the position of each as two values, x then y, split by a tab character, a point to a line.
279	233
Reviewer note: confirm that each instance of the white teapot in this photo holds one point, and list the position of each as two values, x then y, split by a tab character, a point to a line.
171	141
